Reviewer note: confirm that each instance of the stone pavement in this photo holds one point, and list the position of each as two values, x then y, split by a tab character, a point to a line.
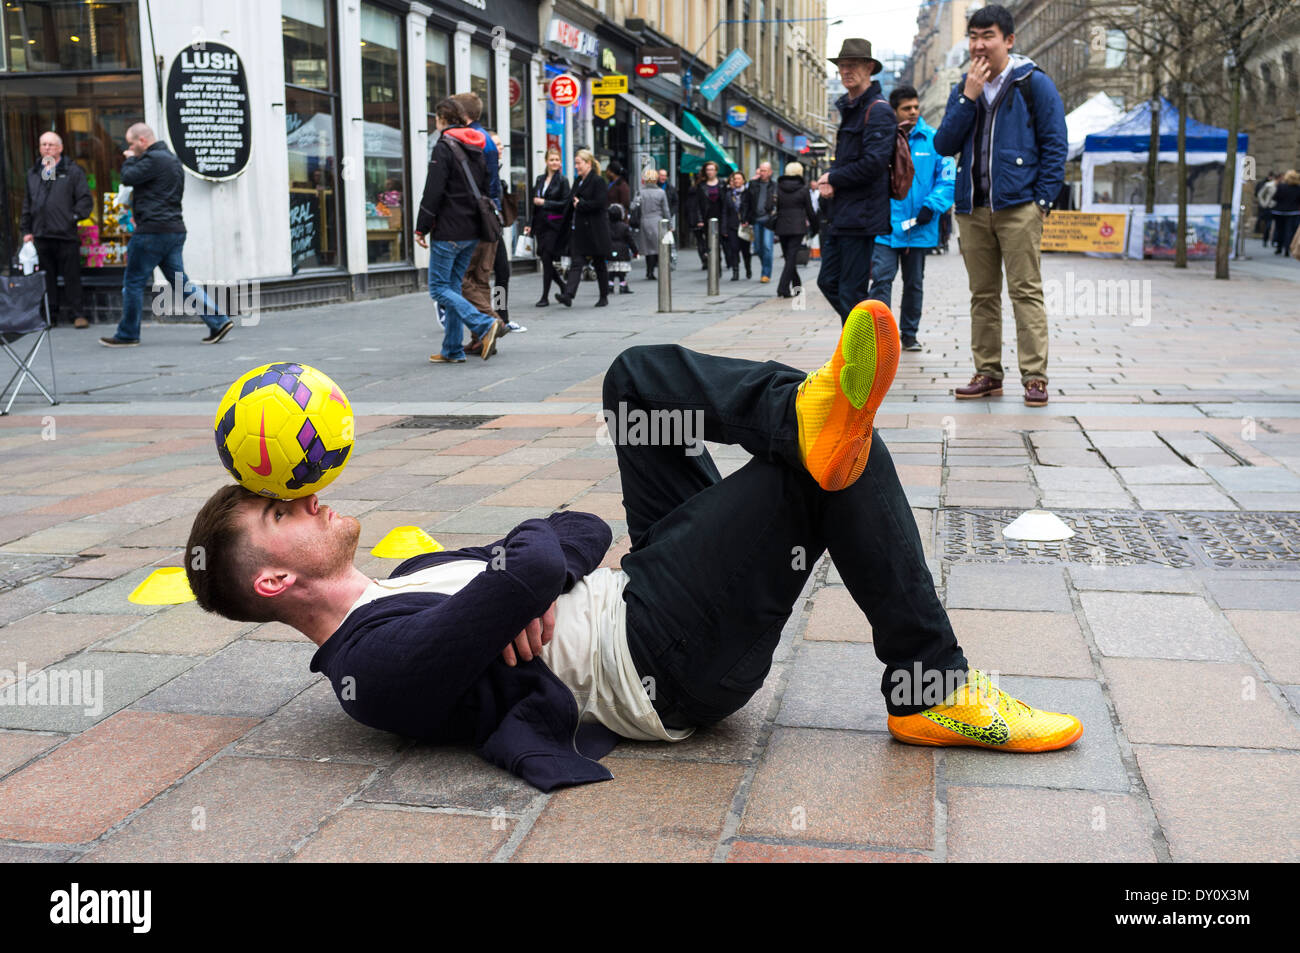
1169	624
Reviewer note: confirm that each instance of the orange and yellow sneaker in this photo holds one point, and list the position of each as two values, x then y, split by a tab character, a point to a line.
980	715
837	403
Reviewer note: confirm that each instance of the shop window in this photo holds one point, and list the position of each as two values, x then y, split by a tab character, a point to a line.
520	119
385	163
311	129
480	82
437	78
39	36
91	114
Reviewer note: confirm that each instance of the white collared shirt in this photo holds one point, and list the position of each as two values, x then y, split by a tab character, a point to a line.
994	85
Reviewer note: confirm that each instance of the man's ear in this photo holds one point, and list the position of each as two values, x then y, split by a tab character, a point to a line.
273	582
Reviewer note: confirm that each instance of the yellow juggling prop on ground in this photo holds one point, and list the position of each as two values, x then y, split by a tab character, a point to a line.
163	587
403	542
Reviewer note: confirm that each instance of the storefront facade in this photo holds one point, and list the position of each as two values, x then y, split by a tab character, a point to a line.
340	95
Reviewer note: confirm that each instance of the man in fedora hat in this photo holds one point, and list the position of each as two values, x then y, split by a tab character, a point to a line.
858	180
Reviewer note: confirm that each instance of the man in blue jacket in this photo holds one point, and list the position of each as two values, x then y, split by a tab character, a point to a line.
1006	123
529	651
858	180
915	218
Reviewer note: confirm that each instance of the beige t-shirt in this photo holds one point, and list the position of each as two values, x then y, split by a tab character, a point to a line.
588	652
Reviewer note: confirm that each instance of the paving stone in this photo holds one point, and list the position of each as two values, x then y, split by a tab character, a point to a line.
836	618
451	777
125	677
1172	473
1268	502
1224	806
40	594
489	519
1255	479
21	526
1196	703
1092	762
1067	457
184	629
1009	825
13	854
985	459
116	562
99	777
1116	439
650	811
1067	439
753	852
1154	625
245	678
1231	590
174	532
255	810
1022	643
378	523
110	598
1292	693
990	493
998	474
372	835
1133	579
1140	456
1274	638
315	727
440	498
1177	497
1076	478
843	788
69	538
39	640
1025	587
835	685
19	747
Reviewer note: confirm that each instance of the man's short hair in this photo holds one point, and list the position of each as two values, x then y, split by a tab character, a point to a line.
141	130
470	105
992	15
449	111
900	94
220	561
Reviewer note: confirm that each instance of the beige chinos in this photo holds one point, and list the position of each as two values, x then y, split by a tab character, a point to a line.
989	240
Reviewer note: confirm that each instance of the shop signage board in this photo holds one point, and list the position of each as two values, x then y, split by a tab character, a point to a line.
209	121
612	85
564	90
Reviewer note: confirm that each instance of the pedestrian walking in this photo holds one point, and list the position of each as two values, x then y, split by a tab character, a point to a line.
56	198
586	228
734	228
620	193
858	180
795	217
450	225
1006	124
549	203
1286	211
709	193
157	185
670	191
1264	196
622	249
649	208
761	207
914	219
480	277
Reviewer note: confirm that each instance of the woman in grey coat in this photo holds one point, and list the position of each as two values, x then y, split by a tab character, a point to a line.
650	205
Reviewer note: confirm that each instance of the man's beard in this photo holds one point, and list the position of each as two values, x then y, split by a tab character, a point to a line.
335	558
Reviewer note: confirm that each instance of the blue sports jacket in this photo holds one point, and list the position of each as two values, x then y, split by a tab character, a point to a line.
932	183
1027	158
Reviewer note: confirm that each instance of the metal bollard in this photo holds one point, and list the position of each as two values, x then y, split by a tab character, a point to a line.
665	275
714	265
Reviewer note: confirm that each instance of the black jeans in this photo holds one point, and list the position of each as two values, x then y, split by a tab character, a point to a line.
790	245
717	564
58	256
846	270
575	275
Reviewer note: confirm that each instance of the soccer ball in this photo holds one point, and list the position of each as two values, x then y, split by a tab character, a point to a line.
284	430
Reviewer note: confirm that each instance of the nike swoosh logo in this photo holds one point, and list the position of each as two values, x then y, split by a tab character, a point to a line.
996	732
336	394
263	468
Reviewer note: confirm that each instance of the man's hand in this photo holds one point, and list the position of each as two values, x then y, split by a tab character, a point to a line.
1042	212
27	238
127	154
976	77
421	240
528	643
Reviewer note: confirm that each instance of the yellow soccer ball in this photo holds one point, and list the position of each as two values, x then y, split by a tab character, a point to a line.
284	430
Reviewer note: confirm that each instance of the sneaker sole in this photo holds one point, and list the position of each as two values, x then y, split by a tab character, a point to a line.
987	393
961	741
864	364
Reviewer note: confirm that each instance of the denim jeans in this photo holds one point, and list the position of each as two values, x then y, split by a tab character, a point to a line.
845	275
716	565
763	239
447	264
884	266
144	253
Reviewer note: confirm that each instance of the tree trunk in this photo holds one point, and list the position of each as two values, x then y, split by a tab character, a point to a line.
1153	155
1180	239
1226	210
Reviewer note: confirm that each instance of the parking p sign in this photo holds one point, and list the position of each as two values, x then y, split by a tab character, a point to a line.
564	90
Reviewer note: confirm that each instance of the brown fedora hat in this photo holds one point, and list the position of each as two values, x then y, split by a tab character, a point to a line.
856	48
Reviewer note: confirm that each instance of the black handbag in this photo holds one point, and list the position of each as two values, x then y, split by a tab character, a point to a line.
489	220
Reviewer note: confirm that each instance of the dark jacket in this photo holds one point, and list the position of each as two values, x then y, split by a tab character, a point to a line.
620	192
1286	199
428	666
547	217
733	212
860	173
702	209
587	225
157	187
794	210
622	245
755	215
448	212
1026	158
52	207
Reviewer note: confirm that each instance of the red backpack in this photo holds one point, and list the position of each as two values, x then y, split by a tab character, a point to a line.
900	163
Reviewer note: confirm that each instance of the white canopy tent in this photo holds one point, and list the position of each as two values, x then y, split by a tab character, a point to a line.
1092	115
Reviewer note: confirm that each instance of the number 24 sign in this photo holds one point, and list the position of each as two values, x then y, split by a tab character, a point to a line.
564	90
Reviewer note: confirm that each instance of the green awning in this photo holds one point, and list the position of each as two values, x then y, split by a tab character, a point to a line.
713	151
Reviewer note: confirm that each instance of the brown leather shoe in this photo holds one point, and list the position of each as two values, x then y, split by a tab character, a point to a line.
981	385
81	323
1036	393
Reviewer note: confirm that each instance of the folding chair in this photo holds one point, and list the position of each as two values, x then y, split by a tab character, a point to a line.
24	309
